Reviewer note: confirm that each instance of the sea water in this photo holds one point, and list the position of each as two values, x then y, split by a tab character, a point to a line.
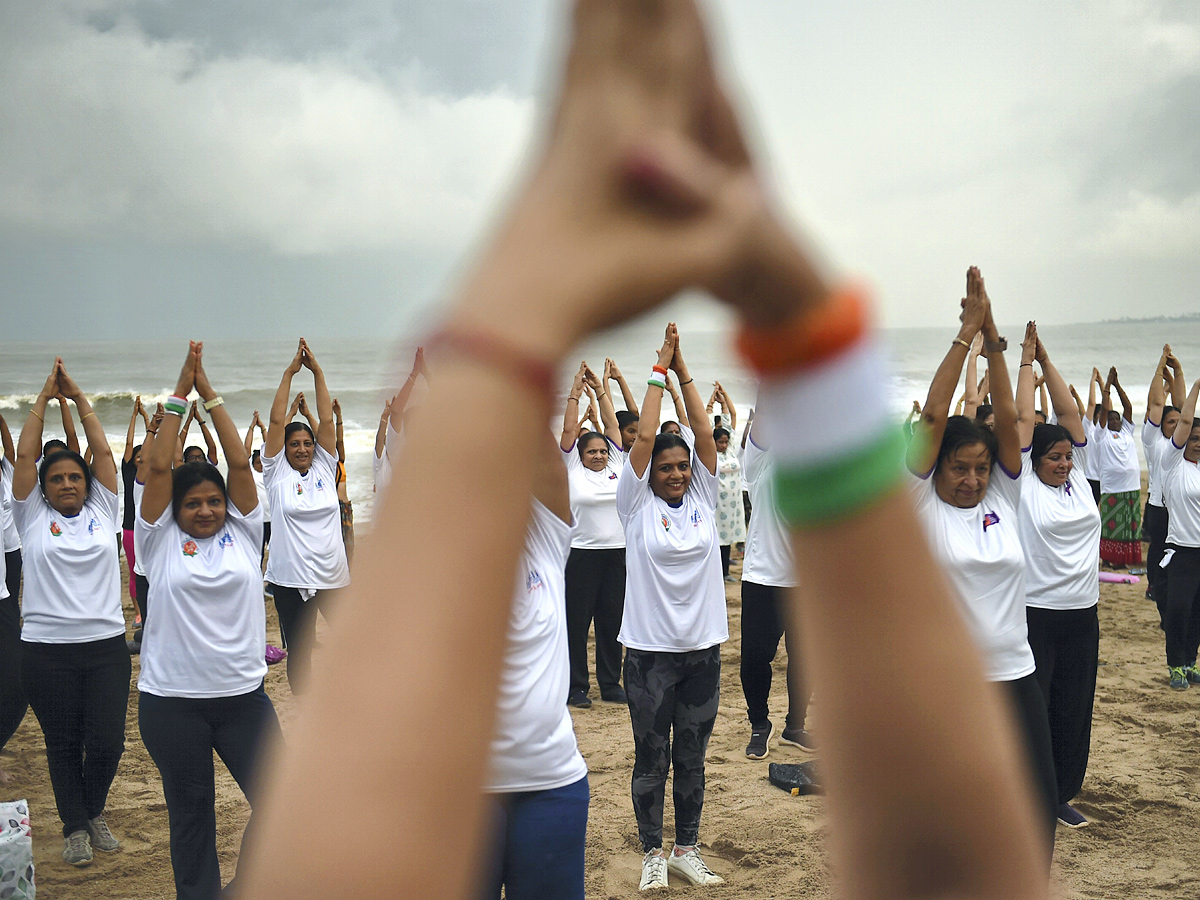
362	372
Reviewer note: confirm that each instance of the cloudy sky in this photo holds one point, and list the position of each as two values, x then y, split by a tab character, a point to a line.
330	161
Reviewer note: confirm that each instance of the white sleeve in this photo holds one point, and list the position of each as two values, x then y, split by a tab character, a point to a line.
633	492
1005	485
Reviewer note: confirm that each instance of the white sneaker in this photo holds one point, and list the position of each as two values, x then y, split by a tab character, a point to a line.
692	867
654	872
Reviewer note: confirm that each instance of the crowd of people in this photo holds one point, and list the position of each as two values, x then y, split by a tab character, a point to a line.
985	570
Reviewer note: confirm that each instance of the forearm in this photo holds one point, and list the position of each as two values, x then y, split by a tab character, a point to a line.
896	813
439	784
10	451
570	427
209	444
381	436
103	467
72	440
29	447
1187	416
1126	406
627	394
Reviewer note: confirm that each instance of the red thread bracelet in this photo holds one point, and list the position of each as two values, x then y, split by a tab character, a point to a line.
808	338
489	350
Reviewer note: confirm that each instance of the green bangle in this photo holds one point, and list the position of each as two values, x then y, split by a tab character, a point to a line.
829	492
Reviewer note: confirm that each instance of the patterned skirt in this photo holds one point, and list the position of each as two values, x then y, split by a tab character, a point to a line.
1120	517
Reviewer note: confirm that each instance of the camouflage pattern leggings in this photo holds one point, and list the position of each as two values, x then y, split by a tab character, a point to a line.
671	692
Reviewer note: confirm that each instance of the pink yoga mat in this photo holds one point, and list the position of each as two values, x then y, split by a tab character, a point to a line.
1119	578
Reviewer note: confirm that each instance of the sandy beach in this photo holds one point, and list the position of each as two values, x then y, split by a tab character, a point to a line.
1141	792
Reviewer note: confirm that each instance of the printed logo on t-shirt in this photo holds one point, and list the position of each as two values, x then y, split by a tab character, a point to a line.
666	522
55	530
299	489
226	540
613	477
533	581
320	485
990	518
93	525
696	519
190	548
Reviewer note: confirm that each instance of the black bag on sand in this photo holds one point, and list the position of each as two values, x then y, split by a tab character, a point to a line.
795	779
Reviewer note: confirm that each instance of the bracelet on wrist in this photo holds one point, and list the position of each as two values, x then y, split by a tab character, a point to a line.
177	406
655	381
689	381
997	346
1023	365
964	343
34	412
210	405
489	350
809	338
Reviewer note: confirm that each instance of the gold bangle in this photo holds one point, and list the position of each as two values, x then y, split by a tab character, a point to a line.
34	412
964	343
81	418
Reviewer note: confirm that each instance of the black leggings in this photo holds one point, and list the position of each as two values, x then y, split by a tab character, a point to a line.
79	693
181	734
1033	733
1066	645
762	627
1182	619
12	696
1154	527
595	590
298	627
725	560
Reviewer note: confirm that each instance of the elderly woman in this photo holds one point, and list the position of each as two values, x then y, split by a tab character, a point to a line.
674	621
74	665
308	555
1060	536
967	492
202	668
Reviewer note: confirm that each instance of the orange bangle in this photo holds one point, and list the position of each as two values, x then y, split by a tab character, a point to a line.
485	349
808	338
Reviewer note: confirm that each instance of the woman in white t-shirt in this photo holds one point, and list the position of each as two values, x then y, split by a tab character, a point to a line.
1180	463
1120	480
308	557
596	566
74	664
967	491
13	704
201	684
537	780
1060	536
674	621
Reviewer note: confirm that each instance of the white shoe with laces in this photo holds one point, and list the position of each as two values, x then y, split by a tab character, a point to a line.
654	871
693	868
102	838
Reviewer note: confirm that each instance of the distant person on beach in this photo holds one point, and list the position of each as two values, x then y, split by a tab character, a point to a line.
75	667
345	506
1092	422
387	437
1158	428
130	460
256	472
643	187
1060	537
200	689
1180	463
731	513
968	489
674	622
627	418
595	569
308	558
768	573
195	453
1120	480
13	704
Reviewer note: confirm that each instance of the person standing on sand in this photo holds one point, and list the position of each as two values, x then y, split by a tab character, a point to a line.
13	704
1060	537
1120	480
308	556
75	667
1157	430
674	623
1181	490
200	689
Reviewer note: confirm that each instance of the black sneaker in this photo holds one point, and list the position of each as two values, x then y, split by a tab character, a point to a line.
1192	674
579	699
798	737
1071	817
760	739
616	695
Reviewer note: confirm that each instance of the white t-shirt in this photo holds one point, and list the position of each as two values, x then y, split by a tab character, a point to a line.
1155	445
674	594
306	528
264	499
1181	488
209	627
1120	470
980	552
594	501
533	748
768	558
139	567
71	571
1060	534
12	537
1091	468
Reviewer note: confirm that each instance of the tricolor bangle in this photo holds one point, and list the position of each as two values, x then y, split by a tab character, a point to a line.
809	338
823	474
176	406
655	381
